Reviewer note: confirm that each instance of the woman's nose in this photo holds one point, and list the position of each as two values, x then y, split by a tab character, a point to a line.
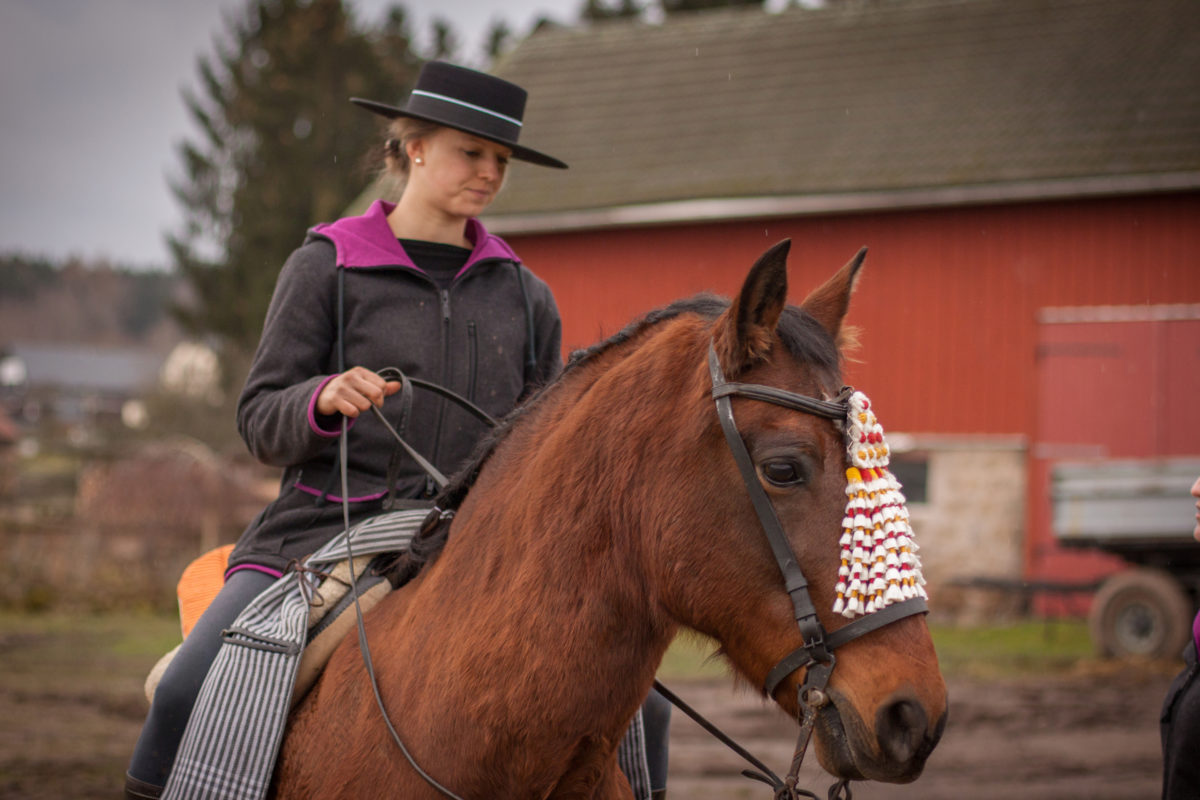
490	168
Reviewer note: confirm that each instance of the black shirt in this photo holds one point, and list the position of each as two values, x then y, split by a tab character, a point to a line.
440	261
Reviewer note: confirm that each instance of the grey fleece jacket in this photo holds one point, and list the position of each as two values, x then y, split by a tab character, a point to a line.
472	338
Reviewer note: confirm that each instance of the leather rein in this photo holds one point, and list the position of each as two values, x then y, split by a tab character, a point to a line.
817	651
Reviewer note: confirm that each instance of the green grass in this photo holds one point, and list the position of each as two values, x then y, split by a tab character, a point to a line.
691	656
133	635
1024	648
1019	649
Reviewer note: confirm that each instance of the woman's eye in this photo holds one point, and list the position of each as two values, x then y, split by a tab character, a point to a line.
782	472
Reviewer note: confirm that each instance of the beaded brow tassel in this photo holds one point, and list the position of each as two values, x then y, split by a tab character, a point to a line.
879	555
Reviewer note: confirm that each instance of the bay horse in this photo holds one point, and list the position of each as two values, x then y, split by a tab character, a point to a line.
607	514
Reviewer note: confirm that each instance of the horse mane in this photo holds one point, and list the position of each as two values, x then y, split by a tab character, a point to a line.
801	335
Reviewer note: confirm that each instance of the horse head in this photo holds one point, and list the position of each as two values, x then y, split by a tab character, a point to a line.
886	697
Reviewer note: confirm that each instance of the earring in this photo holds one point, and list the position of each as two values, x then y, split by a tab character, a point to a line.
418	161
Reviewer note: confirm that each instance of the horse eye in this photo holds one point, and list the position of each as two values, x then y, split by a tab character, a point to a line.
781	472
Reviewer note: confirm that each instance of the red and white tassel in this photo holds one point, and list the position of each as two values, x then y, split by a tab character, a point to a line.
879	563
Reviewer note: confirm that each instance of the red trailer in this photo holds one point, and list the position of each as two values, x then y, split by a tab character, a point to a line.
1117	450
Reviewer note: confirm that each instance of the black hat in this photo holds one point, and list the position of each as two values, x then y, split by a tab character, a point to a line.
470	101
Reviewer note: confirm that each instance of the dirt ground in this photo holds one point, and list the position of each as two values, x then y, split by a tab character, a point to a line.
1091	735
69	714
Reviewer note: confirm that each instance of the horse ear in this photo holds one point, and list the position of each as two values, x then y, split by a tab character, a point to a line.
744	333
828	303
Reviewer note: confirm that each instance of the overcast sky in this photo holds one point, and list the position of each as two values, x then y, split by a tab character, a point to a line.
90	111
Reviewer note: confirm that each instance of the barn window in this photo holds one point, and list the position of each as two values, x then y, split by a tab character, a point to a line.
912	470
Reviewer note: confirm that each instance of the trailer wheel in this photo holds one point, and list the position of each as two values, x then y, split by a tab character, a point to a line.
1140	612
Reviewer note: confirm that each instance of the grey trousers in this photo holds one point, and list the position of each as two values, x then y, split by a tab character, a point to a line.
180	685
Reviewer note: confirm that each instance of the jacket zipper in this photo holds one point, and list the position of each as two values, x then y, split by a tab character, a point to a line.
430	487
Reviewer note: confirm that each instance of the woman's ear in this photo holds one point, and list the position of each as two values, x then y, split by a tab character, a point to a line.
415	150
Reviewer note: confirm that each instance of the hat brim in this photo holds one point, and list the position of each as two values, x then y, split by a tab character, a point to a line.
518	151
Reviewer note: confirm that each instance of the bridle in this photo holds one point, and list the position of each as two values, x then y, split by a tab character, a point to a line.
816	654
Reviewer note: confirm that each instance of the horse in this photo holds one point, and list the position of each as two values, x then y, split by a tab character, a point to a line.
606	515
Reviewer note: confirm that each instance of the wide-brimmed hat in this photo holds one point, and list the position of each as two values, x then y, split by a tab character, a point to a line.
474	102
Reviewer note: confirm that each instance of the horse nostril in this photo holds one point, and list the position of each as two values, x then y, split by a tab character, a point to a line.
901	727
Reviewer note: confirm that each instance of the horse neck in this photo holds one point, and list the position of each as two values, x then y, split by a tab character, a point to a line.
550	550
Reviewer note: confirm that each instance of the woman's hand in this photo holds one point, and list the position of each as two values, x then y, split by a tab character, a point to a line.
353	392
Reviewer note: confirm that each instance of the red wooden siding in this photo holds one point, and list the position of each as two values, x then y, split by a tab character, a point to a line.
948	308
948	299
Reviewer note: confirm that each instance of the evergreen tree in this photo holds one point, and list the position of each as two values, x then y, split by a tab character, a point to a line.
499	35
445	42
675	6
600	10
280	149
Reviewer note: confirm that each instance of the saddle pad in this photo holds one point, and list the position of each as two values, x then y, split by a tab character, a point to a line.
199	584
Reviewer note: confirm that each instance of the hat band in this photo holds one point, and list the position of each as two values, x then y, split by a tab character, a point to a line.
465	104
458	113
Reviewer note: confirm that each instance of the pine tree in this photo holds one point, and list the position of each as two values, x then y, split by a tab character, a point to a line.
600	10
676	6
280	149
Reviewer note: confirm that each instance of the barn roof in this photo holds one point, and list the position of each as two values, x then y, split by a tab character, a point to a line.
855	106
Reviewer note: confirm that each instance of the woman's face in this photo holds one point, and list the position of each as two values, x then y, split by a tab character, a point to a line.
458	174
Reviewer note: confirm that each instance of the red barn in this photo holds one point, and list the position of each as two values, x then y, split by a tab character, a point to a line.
1026	174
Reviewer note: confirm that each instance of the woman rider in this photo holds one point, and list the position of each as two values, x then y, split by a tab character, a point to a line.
419	285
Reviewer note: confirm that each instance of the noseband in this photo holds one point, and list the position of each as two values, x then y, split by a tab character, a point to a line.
817	651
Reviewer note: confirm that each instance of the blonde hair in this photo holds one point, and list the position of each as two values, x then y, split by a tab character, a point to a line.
402	131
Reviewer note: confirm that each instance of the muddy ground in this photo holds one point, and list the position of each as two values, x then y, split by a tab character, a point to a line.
1088	735
71	708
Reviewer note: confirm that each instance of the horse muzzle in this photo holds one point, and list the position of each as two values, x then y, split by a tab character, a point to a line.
893	750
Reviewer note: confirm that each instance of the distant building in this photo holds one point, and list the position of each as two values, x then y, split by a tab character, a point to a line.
74	384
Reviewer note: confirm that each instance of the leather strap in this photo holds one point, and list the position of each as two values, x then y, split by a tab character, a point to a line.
406	387
793	578
830	409
800	657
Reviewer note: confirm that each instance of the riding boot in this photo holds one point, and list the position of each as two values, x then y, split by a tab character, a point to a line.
661	794
140	790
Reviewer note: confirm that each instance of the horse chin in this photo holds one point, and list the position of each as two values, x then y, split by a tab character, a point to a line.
847	748
833	748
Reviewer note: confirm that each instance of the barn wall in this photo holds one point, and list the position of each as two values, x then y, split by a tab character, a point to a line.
948	306
947	303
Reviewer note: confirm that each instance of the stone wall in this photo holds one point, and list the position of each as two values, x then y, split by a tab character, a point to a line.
972	523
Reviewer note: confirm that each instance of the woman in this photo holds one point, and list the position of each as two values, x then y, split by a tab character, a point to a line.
421	286
1181	714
